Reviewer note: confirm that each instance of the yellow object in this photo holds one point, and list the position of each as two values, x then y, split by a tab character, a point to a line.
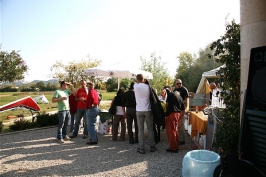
164	106
199	123
208	89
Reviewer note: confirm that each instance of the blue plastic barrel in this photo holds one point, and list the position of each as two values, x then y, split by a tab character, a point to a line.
200	163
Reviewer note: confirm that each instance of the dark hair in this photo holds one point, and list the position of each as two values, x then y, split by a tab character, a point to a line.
120	92
132	85
167	87
61	83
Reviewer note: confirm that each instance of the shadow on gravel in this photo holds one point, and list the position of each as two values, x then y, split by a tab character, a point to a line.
37	153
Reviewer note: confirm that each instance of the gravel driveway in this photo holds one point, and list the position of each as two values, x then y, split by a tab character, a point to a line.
37	153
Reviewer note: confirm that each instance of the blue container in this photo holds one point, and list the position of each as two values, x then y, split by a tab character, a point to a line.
200	163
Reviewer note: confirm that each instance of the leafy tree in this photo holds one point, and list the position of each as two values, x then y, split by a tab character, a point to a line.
227	51
161	77
184	71
41	85
191	67
185	62
125	83
73	71
12	66
111	84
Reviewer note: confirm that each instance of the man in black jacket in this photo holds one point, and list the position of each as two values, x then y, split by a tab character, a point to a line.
129	109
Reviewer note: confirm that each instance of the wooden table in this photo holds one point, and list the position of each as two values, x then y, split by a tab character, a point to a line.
199	123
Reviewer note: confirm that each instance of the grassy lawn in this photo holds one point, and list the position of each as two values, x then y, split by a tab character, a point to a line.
7	97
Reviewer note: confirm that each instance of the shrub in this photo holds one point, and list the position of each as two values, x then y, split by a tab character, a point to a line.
21	124
1	126
47	120
227	51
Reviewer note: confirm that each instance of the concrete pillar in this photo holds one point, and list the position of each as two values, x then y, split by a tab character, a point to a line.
253	34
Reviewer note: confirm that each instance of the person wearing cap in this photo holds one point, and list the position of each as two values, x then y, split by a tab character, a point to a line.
174	107
81	97
129	110
92	112
184	94
61	97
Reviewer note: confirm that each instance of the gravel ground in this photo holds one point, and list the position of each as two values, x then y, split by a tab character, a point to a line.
37	153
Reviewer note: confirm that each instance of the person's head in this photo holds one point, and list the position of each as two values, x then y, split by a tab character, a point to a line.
120	92
212	85
64	85
83	84
90	85
178	83
140	78
131	87
163	92
167	88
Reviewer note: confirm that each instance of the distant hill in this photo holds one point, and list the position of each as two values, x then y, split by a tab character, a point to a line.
51	81
20	83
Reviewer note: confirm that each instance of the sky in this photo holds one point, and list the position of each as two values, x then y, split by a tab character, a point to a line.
117	32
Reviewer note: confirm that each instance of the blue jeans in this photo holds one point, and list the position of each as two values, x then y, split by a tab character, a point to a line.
63	117
143	116
91	119
72	122
81	112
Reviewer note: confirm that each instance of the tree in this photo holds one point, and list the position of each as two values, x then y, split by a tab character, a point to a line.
12	66
191	67
161	77
111	84
73	71
184	71
227	51
40	85
185	62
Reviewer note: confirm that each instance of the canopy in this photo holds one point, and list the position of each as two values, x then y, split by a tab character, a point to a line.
41	99
117	73
26	102
203	87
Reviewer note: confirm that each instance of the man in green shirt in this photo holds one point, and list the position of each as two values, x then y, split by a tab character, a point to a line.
61	97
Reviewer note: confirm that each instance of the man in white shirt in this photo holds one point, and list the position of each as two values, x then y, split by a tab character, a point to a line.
144	113
214	95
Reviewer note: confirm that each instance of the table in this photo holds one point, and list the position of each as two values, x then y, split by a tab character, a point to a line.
199	123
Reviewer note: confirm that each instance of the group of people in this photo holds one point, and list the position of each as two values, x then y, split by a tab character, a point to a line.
140	105
85	105
137	106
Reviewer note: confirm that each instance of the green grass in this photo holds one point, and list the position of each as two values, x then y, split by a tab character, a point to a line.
7	97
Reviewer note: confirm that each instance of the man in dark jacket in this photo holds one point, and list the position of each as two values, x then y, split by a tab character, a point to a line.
129	109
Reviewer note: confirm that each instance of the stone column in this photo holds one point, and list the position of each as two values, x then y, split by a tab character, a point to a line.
253	34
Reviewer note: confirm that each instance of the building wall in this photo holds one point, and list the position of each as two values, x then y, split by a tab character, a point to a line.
253	34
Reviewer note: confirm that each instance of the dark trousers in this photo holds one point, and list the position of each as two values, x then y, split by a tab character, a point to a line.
131	116
157	134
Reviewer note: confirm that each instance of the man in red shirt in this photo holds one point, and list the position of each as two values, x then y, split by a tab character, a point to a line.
81	97
92	106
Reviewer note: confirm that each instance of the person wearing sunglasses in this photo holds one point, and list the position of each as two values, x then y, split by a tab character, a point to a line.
184	94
